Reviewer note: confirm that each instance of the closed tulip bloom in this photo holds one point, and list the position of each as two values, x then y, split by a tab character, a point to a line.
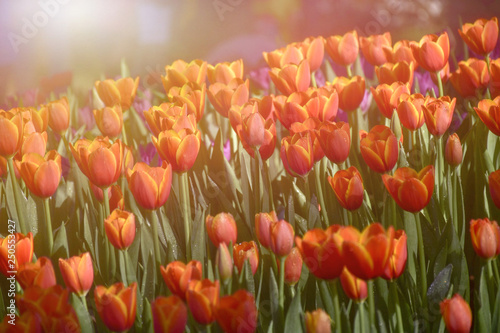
472	75
373	48
387	96
221	228
343	49
41	274
263	222
412	191
181	72
120	92
224	262
453	153
457	314
42	174
114	193
355	288
224	72
282	236
494	184
481	36
58	112
168	116
120	229
237	313
291	77
179	148
366	257
310	125
485	237
3	167
202	297
297	154
379	149
335	140
150	185
351	92
293	266
177	276
318	321
410	111
27	322
313	50
489	112
169	314
223	96
432	51
11	133
389	73
193	96
397	260
495	77
23	246
348	188
400	51
34	142
438	114
246	251
117	305
109	120
77	273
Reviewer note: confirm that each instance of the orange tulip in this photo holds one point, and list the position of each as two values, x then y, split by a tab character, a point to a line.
389	73
77	273
351	91
3	167
192	95
282	235
224	262
28	322
456	314
373	48
23	246
432	51
335	140
453	153
246	251
99	160
401	51
223	96
297	154
41	274
348	188
343	49
181	72
397	260
367	255
438	114
58	113
318	321
263	222
34	142
114	193
169	116
224	72
11	133
480	36
293	266
489	112
410	111
35	121
150	185
202	297
120	92
291	77
485	237
179	148
313	50
311	126
42	174
495	77
379	149
109	120
237	313
412	191
355	288
120	228
494	184
117	305
471	76
169	314
177	276
387	96
221	228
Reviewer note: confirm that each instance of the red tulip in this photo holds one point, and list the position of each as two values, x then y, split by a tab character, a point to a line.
150	185
410	111
438	114
485	237
401	51
432	52
456	314
480	36
117	305
472	75
343	49
223	96
494	185
453	153
297	154
177	276
379	149
387	96
77	273
23	246
263	222
246	251
489	112
373	48
397	260
221	228
351	92
355	288
292	77
42	174
293	266
202	297
282	234
169	314
120	228
41	274
224	262
348	188
237	313
335	140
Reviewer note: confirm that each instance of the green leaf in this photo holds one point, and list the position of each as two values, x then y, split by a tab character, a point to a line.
82	313
274	296
439	287
482	306
198	235
60	249
293	315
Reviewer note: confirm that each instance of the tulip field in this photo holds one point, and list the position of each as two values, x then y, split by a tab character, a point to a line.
352	185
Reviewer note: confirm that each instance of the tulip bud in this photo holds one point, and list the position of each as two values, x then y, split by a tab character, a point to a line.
293	266
120	228
282	235
485	236
77	273
58	115
397	260
263	222
109	120
11	133
318	321
355	288
348	188
453	150
221	228
117	305
456	314
224	262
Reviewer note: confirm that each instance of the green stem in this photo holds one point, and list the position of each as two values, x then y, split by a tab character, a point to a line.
106	202
17	197
421	256
124	276
349	71
395	297
336	305
327	302
454	203
371	304
487	59
495	270
256	171
156	239
439	170
362	316
319	191
124	134
265	171
440	84
282	287
84	301
186	208
48	224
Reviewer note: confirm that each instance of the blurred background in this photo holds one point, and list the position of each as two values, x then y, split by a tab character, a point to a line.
42	41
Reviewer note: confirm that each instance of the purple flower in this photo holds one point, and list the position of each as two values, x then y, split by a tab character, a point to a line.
65	166
86	117
143	103
260	77
320	78
425	82
367	101
147	153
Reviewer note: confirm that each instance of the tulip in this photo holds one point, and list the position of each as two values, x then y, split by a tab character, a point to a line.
293	266
169	314
410	111
224	72
318	321
313	50
34	142
180	148
150	185
109	120
335	140
348	188
343	49
373	48
297	154
453	150
117	305
472	75
120	228
366	256
263	222
120	92
202	297
77	273
432	51
351	92
169	116
177	276
23	246
42	174
41	274
58	112
221	228
412	191
387	96
3	167
237	313
191	95
114	193
224	262
390	73
311	126
181	72
456	314
28	322
401	51
379	149
11	133
485	237
223	96
481	36
494	185
489	112
355	288
99	160
291	77
282	235
397	260
290	54
438	114
495	77
246	251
